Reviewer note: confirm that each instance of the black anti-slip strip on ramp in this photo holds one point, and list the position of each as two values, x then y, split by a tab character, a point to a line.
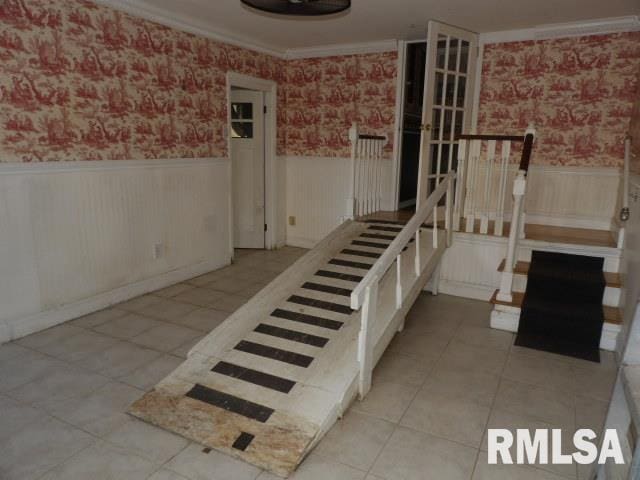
385	229
347	263
230	403
361	243
339	276
314	302
266	380
386	222
307	319
345	292
243	441
562	307
377	236
293	335
278	354
360	253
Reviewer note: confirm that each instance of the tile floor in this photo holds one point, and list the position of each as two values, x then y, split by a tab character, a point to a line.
441	384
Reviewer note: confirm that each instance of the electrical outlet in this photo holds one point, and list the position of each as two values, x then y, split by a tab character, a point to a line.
292	221
158	250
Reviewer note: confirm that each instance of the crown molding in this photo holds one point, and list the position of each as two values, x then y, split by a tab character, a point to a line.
563	30
342	49
160	16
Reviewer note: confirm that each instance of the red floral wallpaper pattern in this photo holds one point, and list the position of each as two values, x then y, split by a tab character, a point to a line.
79	81
326	95
578	92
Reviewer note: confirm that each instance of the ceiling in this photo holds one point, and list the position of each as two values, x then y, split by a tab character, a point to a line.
372	20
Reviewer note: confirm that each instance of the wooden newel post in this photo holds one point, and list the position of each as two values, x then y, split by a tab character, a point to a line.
506	282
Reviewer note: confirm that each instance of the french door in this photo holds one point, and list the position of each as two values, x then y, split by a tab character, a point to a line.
448	101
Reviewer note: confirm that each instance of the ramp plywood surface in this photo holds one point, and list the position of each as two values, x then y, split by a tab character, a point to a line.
271	380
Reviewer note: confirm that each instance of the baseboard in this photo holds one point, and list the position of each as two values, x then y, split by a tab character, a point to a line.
13	329
508	321
466	290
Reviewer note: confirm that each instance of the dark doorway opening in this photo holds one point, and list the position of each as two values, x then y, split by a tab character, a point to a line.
415	60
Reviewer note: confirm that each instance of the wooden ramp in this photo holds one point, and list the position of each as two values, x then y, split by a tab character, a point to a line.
273	378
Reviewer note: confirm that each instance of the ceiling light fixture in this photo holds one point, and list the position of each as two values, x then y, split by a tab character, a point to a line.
300	7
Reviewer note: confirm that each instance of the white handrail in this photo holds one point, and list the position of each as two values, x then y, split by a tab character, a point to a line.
402	239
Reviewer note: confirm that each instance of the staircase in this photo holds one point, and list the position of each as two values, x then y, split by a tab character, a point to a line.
506	314
268	383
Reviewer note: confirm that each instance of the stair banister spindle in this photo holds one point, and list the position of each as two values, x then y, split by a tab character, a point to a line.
399	281
435	226
449	211
361	177
474	165
488	181
365	340
351	201
458	209
418	260
502	187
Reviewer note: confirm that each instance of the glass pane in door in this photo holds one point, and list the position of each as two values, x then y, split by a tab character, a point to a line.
452	56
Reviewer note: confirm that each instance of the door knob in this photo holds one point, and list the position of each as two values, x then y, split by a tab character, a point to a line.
427	127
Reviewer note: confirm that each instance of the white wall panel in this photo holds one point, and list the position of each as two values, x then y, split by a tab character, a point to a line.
317	193
78	231
582	197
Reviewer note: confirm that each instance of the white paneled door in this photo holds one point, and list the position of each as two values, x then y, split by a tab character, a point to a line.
448	101
248	161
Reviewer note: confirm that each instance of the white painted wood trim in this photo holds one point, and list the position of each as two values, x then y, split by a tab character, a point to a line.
360	48
101	165
562	30
14	328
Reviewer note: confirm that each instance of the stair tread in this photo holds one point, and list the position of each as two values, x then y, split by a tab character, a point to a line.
613	280
612	315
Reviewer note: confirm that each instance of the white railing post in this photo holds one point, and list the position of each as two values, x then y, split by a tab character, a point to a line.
473	165
449	212
365	341
461	187
488	183
399	294
624	204
417	260
435	226
502	188
351	201
506	282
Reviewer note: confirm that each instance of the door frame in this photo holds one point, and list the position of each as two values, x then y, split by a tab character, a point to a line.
270	90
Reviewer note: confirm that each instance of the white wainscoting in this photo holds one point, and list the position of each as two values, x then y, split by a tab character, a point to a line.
79	236
317	193
581	197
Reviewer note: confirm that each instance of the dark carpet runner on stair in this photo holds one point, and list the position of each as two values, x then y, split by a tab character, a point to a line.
562	308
